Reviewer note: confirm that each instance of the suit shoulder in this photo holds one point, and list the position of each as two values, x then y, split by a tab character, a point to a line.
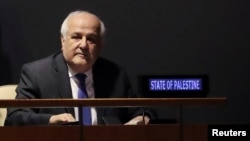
41	63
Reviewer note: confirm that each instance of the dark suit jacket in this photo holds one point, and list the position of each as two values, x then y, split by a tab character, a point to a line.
48	78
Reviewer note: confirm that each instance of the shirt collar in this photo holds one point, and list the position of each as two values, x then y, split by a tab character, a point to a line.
72	73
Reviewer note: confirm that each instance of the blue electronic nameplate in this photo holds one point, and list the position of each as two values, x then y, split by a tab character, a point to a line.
173	85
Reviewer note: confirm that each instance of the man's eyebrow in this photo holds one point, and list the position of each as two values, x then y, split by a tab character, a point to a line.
76	33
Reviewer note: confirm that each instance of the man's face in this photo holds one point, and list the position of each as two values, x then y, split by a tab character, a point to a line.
82	43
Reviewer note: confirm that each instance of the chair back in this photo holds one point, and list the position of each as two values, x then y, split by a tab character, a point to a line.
6	92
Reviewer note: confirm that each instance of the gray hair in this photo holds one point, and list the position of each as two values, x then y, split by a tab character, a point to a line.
64	26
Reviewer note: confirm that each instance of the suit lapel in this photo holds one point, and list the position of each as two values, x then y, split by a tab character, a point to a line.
63	81
97	78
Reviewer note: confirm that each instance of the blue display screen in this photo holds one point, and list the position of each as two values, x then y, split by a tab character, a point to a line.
175	84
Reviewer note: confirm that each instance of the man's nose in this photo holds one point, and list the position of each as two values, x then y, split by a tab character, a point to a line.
83	42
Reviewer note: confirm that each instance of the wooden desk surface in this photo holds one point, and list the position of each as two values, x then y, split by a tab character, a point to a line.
111	102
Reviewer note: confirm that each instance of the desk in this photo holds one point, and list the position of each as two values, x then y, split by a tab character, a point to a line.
157	132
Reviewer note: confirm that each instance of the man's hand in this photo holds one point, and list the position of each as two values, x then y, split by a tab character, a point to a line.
61	118
139	120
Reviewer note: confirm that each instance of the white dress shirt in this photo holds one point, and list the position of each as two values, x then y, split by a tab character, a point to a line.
90	90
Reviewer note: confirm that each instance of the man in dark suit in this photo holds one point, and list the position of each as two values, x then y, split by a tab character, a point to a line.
54	77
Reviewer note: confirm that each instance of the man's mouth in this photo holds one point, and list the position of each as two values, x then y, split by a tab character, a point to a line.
82	54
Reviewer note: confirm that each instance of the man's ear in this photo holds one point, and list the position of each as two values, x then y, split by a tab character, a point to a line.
62	39
62	42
